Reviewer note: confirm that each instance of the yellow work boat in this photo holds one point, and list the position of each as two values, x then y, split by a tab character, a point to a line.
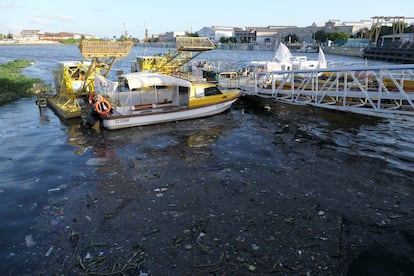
74	80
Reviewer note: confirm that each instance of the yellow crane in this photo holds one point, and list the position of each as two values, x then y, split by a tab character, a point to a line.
187	48
74	80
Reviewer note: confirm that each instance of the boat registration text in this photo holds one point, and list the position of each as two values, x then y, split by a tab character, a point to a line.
121	121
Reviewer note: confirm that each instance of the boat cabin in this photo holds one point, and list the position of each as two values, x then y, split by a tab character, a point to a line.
269	66
72	77
141	91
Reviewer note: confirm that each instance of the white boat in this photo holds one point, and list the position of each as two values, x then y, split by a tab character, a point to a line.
152	98
283	60
307	49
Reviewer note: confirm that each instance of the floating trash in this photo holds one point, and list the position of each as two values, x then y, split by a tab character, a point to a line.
57	189
29	241
49	251
97	161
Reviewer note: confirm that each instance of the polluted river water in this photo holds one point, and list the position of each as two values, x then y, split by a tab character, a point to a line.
265	187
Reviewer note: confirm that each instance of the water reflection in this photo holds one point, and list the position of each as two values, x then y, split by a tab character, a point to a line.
359	135
44	116
203	138
169	136
387	140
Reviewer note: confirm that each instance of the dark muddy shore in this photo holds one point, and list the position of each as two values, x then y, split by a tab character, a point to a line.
225	201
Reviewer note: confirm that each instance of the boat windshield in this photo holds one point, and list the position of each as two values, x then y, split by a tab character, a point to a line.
210	91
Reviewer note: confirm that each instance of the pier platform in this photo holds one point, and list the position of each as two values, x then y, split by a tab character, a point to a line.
344	51
397	55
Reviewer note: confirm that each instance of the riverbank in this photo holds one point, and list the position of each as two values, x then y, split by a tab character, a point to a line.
28	42
14	85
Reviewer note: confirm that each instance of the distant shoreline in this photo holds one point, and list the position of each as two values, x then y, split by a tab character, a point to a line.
343	51
26	43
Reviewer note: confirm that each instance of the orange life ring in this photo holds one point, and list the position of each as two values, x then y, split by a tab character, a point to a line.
102	106
93	98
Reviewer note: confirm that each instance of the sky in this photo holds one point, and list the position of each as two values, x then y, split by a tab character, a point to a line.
109	18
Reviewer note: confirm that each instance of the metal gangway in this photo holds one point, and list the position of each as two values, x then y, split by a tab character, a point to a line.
187	48
103	54
382	91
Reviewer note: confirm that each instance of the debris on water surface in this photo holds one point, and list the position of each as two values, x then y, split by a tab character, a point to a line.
49	251
252	268
111	174
141	273
57	220
98	161
29	241
201	235
57	189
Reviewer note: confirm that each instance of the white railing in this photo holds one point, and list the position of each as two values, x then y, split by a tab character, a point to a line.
383	91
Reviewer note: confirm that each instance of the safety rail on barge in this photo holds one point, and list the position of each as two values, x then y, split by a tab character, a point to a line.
382	91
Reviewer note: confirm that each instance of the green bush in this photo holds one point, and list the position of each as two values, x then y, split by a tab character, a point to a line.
14	85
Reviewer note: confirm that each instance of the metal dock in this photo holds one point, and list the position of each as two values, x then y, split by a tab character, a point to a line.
382	91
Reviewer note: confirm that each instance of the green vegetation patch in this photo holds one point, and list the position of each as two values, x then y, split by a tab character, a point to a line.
14	85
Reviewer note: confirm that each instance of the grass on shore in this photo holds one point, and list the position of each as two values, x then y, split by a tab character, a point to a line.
14	85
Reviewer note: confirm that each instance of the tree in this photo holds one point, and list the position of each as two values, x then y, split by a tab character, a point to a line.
223	39
338	38
320	36
227	39
232	39
363	33
291	38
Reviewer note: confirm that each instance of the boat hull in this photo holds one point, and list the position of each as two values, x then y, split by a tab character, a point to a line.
156	117
64	111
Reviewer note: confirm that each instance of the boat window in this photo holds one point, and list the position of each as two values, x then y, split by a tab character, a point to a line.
199	92
163	86
183	96
210	91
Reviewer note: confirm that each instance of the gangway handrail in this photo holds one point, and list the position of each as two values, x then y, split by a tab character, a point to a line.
356	68
383	91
